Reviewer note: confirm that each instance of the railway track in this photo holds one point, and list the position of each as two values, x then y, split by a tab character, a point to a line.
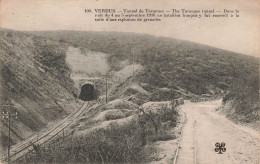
26	146
178	147
186	152
20	150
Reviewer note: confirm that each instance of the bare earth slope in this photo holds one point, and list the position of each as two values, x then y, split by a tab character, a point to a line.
35	77
204	127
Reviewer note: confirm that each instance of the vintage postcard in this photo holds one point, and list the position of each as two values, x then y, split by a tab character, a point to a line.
130	81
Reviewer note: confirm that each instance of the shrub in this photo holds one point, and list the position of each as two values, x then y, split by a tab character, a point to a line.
114	116
116	144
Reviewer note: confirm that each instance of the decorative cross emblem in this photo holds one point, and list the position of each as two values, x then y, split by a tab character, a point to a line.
220	147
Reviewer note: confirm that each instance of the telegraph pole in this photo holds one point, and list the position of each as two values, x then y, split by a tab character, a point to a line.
9	132
106	88
106	81
171	88
133	65
8	115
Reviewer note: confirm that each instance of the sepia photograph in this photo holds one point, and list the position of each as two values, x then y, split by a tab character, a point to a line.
129	81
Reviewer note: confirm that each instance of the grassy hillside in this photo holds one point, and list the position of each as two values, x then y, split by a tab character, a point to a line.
123	131
243	96
35	78
198	68
172	63
35	75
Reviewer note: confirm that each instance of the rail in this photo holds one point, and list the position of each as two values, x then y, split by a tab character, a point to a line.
57	129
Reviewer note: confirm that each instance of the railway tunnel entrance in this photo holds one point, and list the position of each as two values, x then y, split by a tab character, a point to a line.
87	92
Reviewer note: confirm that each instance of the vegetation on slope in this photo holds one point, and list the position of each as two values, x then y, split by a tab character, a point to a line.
35	78
127	143
168	64
243	96
196	68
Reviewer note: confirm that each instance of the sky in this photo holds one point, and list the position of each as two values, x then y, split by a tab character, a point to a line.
240	34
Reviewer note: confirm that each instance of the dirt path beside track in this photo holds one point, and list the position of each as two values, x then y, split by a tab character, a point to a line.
205	127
